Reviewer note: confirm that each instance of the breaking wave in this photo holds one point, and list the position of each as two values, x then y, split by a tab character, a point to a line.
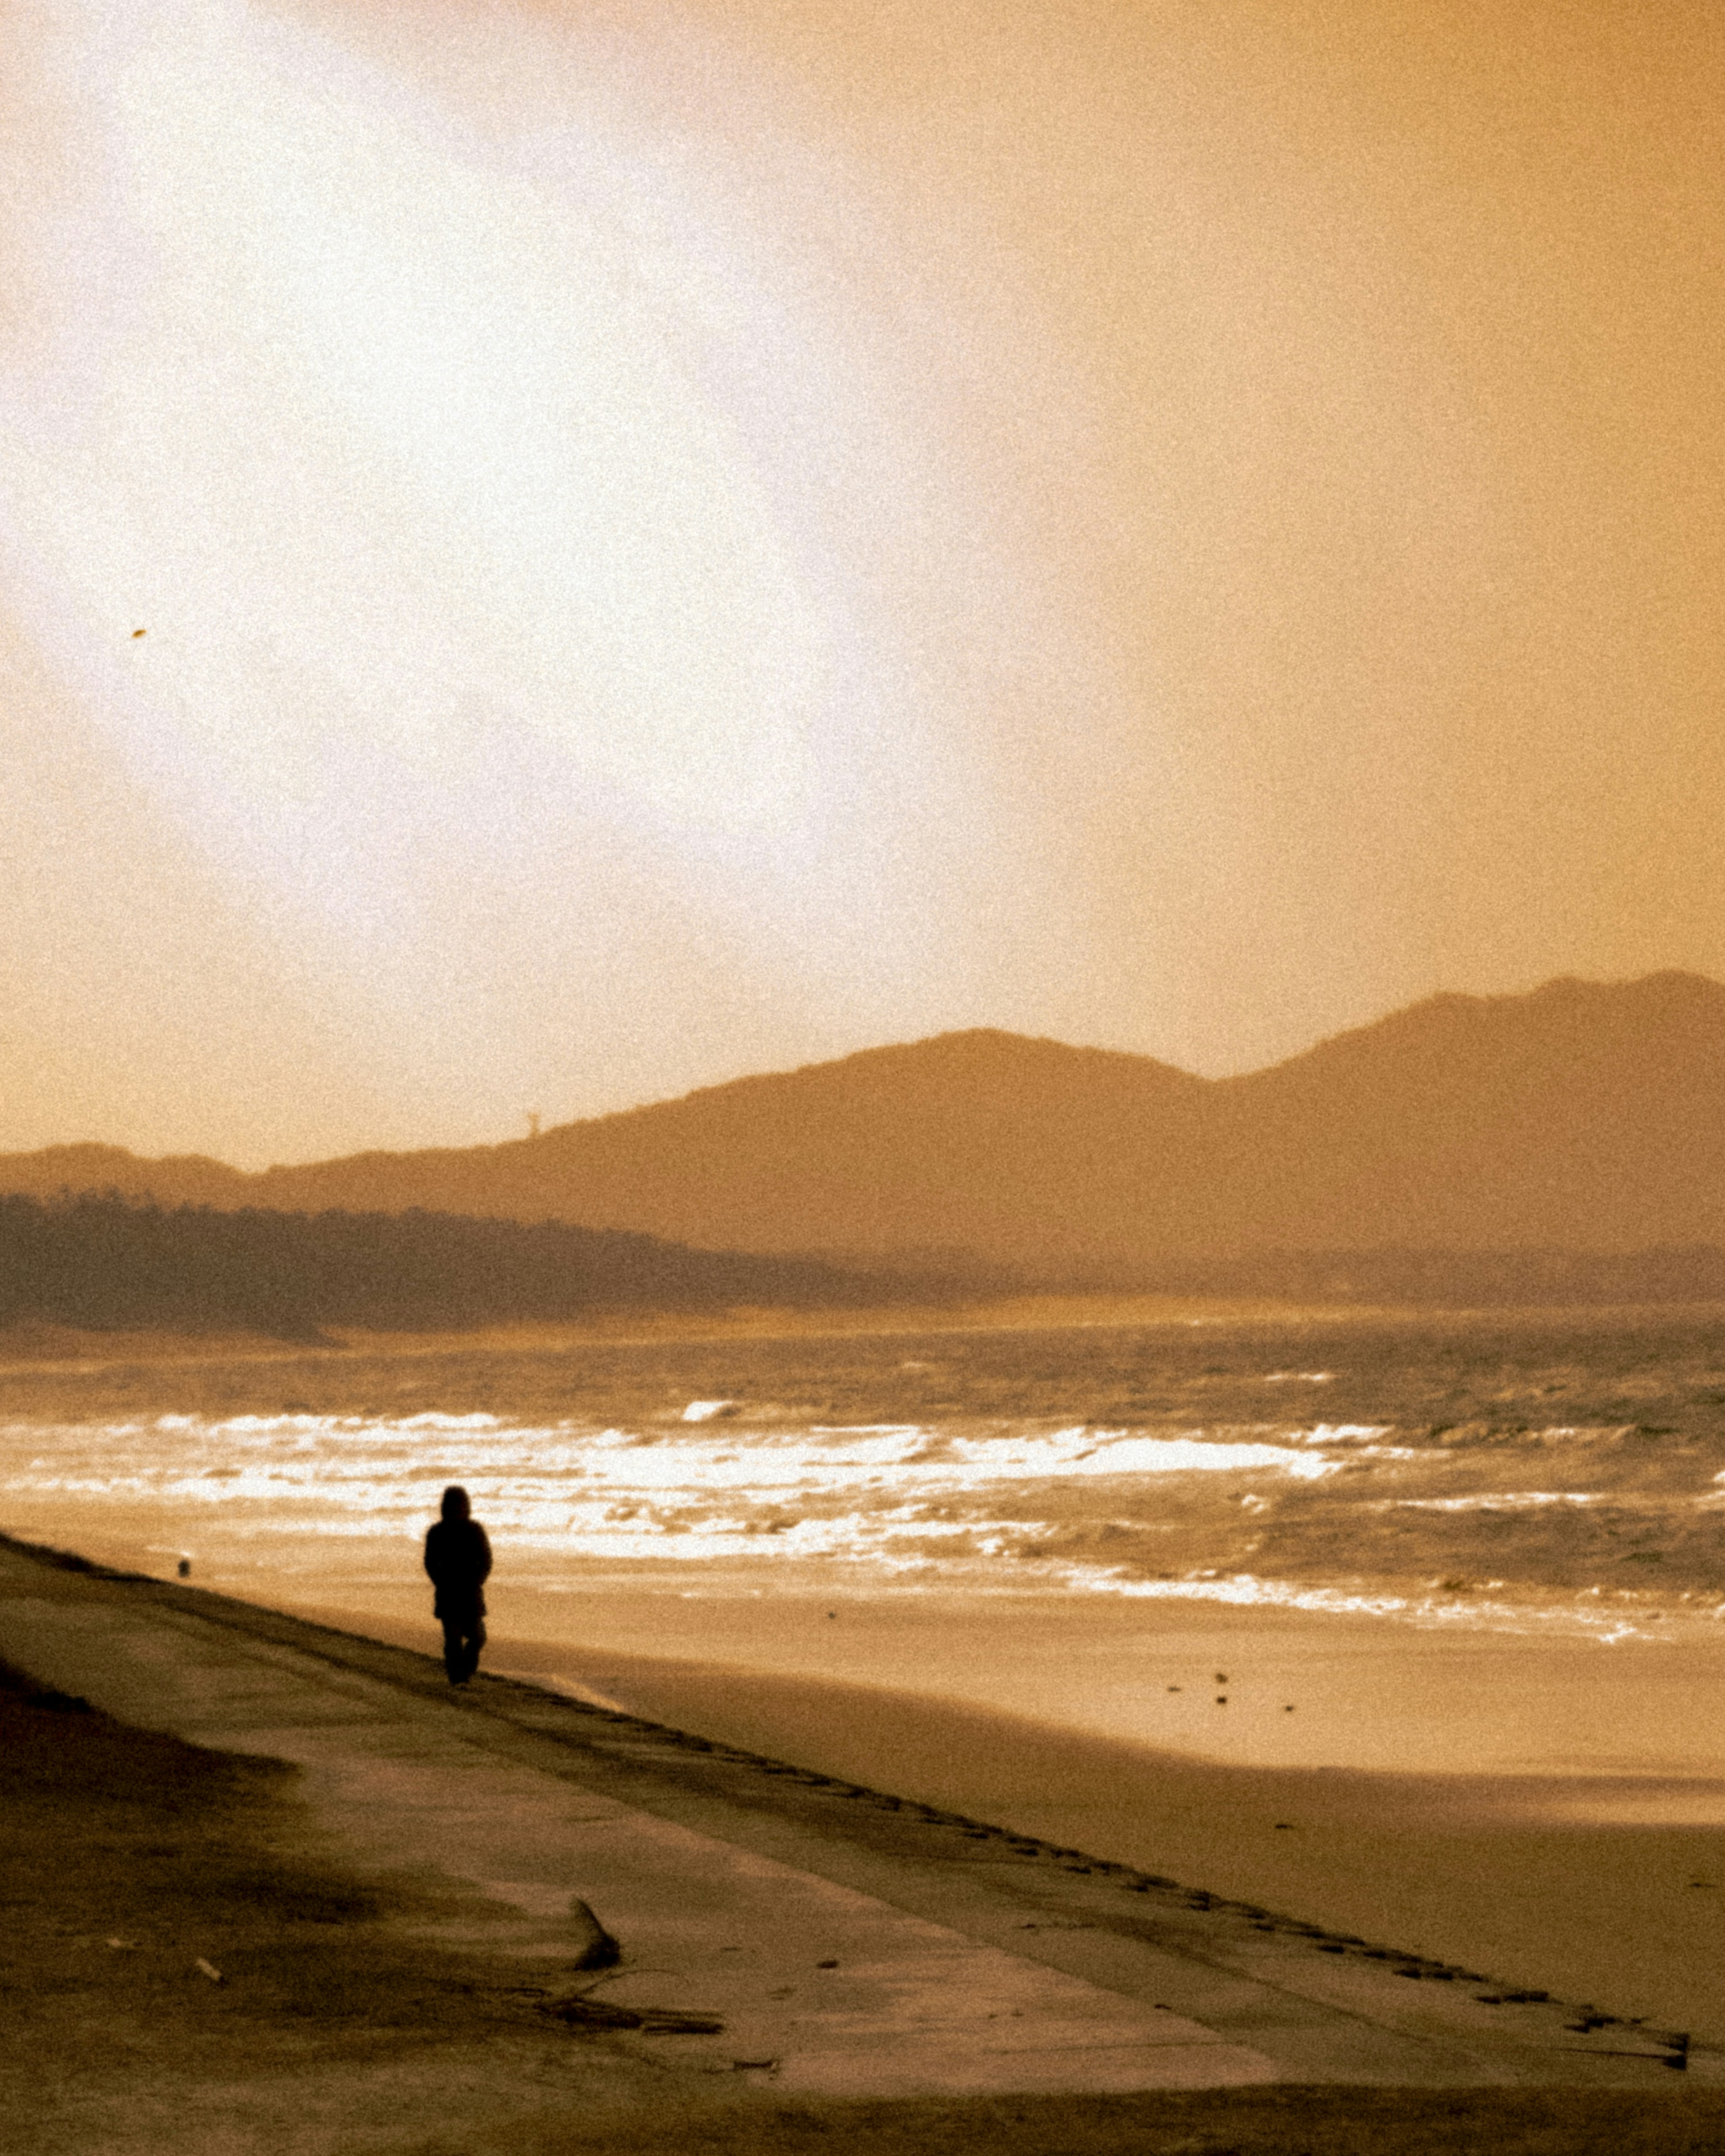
1440	1487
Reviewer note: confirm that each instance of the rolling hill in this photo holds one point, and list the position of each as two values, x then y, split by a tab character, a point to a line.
1581	1116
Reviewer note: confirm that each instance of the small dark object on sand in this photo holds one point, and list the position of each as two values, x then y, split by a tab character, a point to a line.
136	634
184	1568
595	1947
1220	1678
1221	1699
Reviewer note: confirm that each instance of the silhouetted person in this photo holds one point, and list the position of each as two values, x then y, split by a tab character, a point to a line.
458	1559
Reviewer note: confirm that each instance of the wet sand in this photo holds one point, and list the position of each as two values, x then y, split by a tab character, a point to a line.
1480	1870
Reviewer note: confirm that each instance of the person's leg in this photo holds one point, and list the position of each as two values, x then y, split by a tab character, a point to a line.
454	1649
475	1641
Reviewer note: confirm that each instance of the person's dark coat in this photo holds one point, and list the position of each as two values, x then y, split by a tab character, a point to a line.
458	1558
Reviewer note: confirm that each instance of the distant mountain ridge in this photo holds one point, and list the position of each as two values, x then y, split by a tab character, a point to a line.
1580	1116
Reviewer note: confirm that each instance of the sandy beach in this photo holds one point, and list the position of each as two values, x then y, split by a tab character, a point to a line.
183	1660
1511	1877
1568	1829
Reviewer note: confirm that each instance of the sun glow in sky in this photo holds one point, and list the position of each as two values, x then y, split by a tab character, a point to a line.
675	540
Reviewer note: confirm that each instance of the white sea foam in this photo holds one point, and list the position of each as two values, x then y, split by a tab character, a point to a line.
1608	1628
1085	1463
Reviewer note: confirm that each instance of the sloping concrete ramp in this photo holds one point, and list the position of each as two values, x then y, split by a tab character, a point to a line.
850	1944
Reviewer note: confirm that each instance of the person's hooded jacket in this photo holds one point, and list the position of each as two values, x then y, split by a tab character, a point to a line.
458	1557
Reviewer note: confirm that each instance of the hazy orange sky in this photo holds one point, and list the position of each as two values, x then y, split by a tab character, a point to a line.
677	540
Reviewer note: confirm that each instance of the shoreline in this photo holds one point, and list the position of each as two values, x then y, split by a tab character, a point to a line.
1305	1689
34	1345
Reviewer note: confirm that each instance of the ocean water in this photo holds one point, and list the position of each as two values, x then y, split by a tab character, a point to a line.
1564	1475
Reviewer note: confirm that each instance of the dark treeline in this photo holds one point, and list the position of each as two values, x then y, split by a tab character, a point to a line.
110	1263
1463	1279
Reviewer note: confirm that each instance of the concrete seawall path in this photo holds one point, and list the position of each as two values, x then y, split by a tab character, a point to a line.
847	1945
